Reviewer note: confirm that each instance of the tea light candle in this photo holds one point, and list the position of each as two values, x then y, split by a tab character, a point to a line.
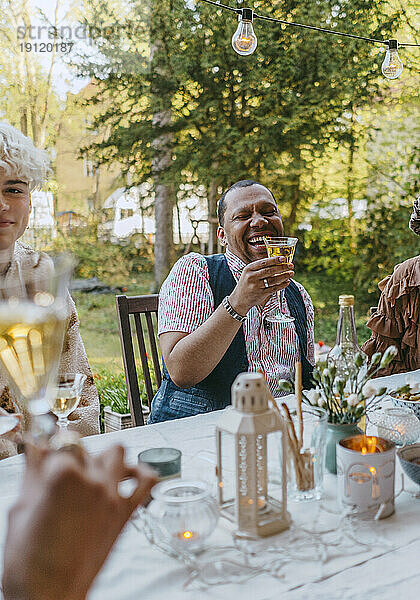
187	536
165	461
366	473
183	513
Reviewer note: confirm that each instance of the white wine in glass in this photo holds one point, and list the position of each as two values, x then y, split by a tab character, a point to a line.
281	246
67	397
33	317
30	347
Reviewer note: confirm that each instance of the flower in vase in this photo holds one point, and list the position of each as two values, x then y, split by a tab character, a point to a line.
368	390
353	400
314	397
414	385
347	399
388	355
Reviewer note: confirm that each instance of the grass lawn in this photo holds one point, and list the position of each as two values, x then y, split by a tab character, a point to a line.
99	328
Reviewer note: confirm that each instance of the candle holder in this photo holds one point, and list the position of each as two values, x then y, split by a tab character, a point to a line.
165	461
366	474
183	514
399	425
246	437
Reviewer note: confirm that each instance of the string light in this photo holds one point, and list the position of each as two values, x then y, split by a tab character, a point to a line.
244	40
392	66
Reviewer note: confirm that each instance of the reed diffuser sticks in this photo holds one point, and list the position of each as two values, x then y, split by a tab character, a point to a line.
302	459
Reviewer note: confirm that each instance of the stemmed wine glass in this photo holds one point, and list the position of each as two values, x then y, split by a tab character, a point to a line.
33	316
281	246
67	397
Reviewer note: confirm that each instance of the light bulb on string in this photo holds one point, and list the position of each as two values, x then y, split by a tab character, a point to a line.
244	40
392	66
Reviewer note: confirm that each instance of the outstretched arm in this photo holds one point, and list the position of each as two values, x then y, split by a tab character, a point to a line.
60	531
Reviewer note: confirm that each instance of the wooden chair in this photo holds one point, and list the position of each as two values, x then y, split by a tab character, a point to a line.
138	306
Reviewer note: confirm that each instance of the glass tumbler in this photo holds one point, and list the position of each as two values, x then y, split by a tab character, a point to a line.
183	513
306	455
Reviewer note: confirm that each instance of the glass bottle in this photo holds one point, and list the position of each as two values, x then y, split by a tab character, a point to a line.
342	355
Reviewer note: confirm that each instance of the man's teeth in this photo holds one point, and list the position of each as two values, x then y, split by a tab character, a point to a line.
257	241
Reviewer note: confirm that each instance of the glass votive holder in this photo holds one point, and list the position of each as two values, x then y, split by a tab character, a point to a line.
305	462
399	425
165	461
365	476
183	513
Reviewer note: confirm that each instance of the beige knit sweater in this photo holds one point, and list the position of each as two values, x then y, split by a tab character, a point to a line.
85	419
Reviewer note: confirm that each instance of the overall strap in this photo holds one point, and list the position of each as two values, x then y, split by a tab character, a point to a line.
222	284
298	311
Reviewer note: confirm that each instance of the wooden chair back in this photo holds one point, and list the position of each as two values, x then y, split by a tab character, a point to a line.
136	306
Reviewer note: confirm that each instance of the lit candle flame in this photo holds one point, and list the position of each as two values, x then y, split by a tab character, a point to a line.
187	535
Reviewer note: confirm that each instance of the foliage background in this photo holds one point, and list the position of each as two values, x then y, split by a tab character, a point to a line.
308	115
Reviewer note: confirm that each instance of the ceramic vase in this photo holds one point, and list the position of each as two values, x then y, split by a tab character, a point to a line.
335	433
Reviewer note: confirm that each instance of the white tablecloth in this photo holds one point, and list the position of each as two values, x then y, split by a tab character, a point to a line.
135	570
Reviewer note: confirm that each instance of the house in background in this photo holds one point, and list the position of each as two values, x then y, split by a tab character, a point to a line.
123	216
336	208
68	220
127	212
82	184
41	219
84	187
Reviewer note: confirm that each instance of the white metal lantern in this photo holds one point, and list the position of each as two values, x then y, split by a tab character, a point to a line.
244	429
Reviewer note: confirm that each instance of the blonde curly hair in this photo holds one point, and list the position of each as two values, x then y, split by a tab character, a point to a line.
19	156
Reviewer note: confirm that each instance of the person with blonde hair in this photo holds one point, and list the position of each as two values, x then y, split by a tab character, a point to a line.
23	168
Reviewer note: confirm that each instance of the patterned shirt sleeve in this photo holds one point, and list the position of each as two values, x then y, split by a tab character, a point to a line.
185	299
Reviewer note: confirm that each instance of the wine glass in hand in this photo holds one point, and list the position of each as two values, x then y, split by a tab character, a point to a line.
280	246
67	396
33	317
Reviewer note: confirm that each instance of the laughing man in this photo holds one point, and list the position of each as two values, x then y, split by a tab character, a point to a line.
213	312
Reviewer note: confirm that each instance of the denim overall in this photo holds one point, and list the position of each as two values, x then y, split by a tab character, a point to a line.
213	392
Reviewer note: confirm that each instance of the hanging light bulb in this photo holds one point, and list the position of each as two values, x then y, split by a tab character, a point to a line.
392	66
244	40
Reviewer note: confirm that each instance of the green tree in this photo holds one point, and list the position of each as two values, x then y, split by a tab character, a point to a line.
271	116
29	100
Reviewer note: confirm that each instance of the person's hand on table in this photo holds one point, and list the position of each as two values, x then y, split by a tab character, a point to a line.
68	516
251	289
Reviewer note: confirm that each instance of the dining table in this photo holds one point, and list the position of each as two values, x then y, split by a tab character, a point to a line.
322	555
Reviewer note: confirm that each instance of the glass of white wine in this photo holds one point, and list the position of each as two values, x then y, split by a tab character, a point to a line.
67	396
281	246
33	316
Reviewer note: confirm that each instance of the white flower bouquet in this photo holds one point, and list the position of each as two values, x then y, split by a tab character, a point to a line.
347	400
